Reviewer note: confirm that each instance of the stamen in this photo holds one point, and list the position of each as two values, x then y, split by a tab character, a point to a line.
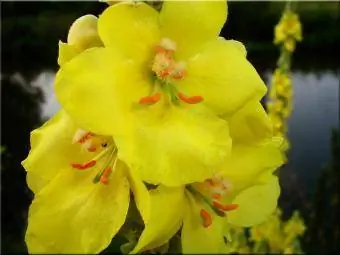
91	163
92	149
190	100
105	177
178	71
206	217
81	136
84	166
226	208
216	196
150	99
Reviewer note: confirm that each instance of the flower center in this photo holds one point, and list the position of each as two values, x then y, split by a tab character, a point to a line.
105	158
167	71
211	192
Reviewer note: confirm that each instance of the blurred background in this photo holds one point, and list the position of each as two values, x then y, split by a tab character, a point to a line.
30	33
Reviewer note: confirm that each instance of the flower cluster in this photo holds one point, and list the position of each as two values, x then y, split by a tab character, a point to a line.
288	30
272	236
157	104
280	103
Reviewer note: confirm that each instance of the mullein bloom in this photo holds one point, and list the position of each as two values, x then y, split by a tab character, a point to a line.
288	31
82	190
243	193
280	104
272	236
158	86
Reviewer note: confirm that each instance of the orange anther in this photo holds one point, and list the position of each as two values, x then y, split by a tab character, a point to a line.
206	217
86	165
223	207
85	137
160	49
105	177
92	149
216	196
150	99
104	180
190	100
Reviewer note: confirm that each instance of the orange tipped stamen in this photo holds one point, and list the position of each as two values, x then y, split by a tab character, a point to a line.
150	99
206	217
161	49
105	177
223	207
84	166
86	137
92	149
216	196
190	100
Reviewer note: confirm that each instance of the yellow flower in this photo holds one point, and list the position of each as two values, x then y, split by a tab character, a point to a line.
288	30
157	86
245	191
82	191
81	36
289	44
295	225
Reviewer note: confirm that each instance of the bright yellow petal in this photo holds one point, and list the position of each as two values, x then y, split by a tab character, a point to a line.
186	145
195	238
67	52
73	215
51	151
98	89
250	124
132	28
223	77
256	204
247	163
191	24
83	33
167	209
141	195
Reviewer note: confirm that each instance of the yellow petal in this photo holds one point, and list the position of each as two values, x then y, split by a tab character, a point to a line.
167	209
51	151
98	89
67	52
132	28
191	24
256	204
238	45
83	33
185	145
141	195
223	77
195	238
247	163
250	124
73	215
